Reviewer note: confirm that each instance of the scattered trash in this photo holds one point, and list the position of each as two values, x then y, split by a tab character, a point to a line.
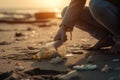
86	67
47	51
56	60
90	59
106	68
115	60
69	75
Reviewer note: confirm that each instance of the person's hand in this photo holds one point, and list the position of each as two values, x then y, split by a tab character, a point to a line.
60	37
115	48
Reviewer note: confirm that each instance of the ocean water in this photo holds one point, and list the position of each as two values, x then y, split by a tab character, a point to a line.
29	10
13	11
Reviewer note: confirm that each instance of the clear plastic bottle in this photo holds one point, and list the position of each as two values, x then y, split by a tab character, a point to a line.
47	51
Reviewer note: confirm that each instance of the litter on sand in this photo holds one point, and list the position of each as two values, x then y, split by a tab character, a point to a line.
56	60
85	67
47	51
106	68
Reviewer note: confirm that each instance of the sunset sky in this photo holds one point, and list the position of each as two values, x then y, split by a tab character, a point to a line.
42	4
33	3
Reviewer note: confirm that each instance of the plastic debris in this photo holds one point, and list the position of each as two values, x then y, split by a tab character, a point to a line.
69	75
85	67
90	59
115	60
56	60
47	51
106	68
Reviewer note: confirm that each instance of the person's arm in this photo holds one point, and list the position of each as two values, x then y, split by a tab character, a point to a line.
72	14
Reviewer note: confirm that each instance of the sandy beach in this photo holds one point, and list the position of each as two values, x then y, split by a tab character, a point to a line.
18	42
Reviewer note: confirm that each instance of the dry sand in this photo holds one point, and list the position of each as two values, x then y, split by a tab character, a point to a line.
35	36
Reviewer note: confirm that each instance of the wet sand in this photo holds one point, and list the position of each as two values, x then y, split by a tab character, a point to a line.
16	41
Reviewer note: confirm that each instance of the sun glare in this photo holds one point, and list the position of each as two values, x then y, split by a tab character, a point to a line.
53	3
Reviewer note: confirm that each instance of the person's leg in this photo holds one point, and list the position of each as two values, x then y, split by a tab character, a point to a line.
107	15
89	24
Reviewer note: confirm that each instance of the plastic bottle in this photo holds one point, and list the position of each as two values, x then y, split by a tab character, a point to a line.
47	51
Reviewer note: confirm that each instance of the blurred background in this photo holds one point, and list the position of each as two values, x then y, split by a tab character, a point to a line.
21	10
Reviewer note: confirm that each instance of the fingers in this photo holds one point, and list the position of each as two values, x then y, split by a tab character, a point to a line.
63	38
58	44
